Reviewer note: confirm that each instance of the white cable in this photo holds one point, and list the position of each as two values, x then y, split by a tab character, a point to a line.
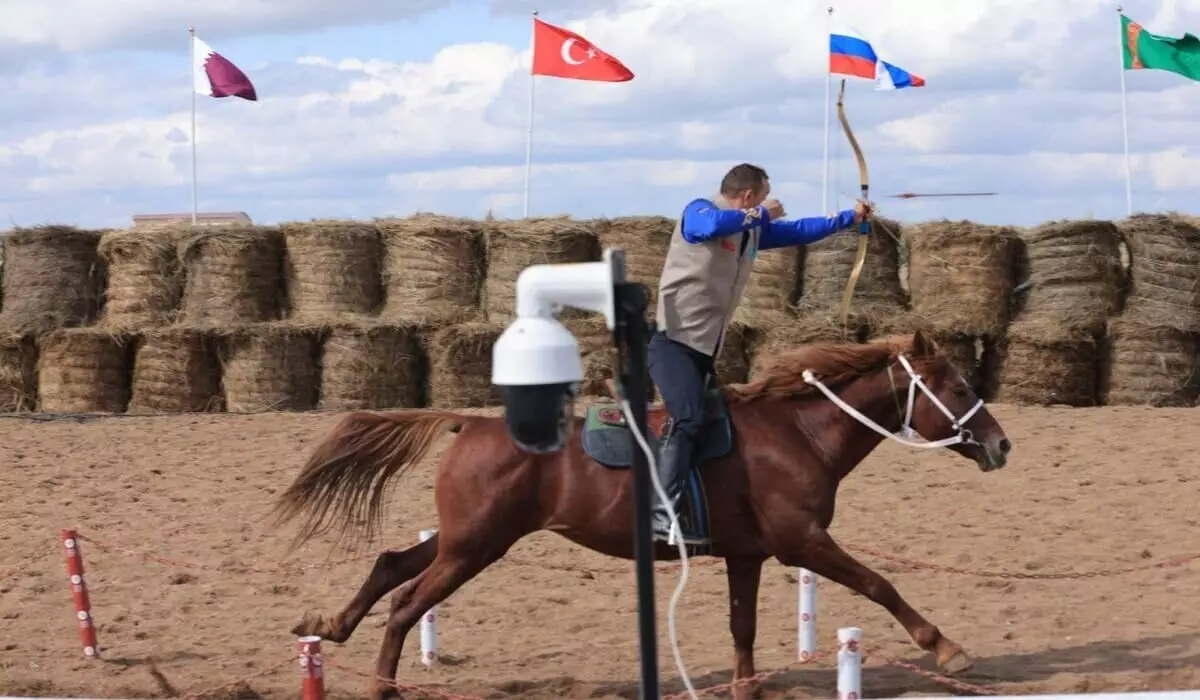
627	409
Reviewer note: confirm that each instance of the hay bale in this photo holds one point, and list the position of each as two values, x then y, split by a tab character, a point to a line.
595	352
1042	369
373	367
1149	365
1165	271
84	370
145	280
52	278
234	275
18	373
960	275
773	287
271	367
514	245
331	269
764	345
432	269
645	240
826	268
1075	271
460	366
733	364
177	370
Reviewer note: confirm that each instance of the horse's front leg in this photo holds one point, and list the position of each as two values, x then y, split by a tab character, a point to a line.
743	575
821	554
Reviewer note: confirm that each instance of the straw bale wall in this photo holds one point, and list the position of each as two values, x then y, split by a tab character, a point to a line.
396	313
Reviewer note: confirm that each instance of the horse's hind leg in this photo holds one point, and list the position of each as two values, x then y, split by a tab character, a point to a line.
449	571
391	569
821	554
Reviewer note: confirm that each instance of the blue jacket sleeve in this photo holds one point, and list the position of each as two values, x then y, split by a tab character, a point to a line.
703	221
782	233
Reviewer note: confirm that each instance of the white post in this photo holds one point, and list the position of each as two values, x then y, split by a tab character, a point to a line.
828	98
849	660
429	624
806	638
529	130
192	72
1125	120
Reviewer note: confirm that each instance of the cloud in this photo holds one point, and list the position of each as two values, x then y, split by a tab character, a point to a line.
1021	100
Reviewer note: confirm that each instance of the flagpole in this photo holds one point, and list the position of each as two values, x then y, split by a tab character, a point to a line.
192	72
828	97
1125	119
529	130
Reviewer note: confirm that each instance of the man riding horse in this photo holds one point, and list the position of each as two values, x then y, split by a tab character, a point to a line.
712	251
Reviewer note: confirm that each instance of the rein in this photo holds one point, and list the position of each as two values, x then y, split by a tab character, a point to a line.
962	434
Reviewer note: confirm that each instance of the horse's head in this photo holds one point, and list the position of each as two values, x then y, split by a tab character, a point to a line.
942	407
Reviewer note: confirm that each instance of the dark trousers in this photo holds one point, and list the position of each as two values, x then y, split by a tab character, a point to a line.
680	373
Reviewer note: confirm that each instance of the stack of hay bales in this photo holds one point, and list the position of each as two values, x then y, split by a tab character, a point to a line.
878	297
516	244
433	267
1152	357
52	279
960	278
1051	353
331	270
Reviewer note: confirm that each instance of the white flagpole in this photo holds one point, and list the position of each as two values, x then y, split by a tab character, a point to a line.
1125	120
192	72
828	97
529	131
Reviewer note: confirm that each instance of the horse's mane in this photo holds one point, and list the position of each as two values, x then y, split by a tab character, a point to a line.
832	363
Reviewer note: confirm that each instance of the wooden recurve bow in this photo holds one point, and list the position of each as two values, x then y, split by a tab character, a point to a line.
864	228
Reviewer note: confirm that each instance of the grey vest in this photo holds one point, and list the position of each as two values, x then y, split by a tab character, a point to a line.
702	284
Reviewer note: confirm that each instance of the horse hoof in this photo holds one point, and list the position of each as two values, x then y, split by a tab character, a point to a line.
312	624
957	663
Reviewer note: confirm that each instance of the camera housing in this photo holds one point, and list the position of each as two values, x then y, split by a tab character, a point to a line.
536	359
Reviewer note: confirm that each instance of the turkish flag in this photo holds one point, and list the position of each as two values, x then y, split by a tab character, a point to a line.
562	53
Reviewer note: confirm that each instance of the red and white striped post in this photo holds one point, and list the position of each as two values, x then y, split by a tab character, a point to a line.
849	663
79	590
806	642
312	668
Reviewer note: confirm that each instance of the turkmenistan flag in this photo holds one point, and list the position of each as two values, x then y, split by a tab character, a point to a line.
1145	50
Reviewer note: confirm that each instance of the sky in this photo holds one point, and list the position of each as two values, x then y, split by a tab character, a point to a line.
370	108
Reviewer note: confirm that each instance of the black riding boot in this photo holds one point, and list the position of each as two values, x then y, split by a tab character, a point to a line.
674	463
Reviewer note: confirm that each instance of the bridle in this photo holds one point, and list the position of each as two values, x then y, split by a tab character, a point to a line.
962	436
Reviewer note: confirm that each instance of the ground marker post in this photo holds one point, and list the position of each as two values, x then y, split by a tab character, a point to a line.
849	663
79	590
806	641
429	638
312	668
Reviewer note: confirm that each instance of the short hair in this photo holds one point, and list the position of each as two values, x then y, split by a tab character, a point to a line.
741	178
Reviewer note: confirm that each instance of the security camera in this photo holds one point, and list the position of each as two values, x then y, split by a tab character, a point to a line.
536	359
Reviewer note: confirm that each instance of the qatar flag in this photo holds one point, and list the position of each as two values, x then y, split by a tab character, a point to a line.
213	75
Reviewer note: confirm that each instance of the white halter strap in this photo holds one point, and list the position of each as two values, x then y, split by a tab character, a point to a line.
962	434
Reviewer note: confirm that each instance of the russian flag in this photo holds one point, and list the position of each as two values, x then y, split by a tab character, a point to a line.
851	54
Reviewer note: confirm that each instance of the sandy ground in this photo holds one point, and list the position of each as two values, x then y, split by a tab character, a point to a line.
1088	490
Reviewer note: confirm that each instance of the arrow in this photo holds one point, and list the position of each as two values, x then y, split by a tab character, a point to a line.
910	195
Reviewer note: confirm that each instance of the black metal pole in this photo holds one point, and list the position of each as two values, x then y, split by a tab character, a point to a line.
631	302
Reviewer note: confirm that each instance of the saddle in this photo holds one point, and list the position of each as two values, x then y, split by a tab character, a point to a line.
608	440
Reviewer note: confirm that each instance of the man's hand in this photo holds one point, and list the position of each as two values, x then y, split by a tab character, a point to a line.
774	209
863	210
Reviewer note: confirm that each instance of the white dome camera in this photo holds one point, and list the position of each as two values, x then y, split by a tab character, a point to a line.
536	360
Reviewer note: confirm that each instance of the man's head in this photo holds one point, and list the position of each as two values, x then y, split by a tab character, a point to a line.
745	186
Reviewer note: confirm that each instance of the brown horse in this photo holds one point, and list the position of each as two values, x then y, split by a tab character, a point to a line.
775	489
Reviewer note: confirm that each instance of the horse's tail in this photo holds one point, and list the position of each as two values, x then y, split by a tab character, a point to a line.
346	476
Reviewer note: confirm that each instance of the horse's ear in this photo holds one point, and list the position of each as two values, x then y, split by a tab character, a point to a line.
922	345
